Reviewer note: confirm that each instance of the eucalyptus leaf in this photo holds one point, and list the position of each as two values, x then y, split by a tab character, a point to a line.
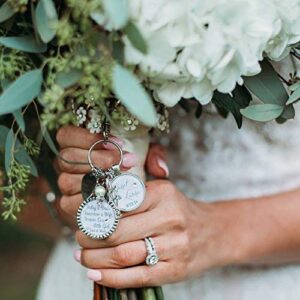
67	79
49	141
288	112
23	43
267	86
6	12
129	91
46	20
295	96
3	134
117	10
8	149
135	37
19	118
239	99
295	86
262	112
21	91
118	51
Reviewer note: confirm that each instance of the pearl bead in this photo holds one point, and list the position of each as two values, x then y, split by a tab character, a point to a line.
100	191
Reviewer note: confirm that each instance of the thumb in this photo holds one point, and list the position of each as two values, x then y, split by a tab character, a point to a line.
156	164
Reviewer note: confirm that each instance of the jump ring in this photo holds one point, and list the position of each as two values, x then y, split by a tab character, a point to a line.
152	258
104	142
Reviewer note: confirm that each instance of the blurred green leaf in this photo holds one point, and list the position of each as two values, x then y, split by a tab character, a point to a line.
19	118
117	10
128	89
118	51
136	37
267	86
21	91
23	43
3	134
46	20
262	112
8	149
49	141
295	96
67	79
295	86
239	99
6	12
288	112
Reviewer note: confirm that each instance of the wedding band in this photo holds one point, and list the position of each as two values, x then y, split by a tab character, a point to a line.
152	257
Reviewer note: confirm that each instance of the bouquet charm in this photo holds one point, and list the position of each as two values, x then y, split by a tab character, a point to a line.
106	194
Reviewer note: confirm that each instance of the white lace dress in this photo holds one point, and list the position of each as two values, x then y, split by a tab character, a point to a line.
210	159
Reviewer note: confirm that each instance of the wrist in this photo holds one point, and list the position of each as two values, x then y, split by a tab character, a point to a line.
220	223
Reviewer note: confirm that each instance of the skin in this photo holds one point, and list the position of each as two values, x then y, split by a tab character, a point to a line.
190	236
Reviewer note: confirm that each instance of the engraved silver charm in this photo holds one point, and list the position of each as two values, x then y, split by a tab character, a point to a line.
127	191
97	217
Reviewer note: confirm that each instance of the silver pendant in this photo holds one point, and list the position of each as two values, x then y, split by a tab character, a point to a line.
97	217
127	191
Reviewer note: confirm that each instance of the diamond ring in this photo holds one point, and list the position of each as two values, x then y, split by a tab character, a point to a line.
152	257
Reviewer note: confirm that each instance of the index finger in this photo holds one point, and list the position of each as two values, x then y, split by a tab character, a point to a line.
77	137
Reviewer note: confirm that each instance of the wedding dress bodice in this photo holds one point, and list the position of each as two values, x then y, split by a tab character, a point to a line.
211	160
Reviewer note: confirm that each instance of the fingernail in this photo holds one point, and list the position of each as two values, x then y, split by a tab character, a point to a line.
163	165
129	160
115	139
94	275
77	255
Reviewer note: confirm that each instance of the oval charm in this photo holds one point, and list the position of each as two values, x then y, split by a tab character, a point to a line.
97	218
127	191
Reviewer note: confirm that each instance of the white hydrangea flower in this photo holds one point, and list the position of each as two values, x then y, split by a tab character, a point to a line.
198	46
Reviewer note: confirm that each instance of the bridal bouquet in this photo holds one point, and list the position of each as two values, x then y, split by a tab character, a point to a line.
86	62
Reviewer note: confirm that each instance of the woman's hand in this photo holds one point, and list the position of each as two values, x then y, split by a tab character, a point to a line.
188	237
74	143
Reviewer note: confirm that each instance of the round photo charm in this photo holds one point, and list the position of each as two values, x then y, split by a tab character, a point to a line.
97	217
127	191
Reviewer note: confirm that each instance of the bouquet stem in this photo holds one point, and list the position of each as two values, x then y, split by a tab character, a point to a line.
104	293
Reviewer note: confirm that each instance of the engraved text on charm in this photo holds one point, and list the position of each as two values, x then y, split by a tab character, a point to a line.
97	218
127	191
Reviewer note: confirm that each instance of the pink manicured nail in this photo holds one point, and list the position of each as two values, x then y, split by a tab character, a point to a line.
110	146
163	166
77	255
94	275
129	160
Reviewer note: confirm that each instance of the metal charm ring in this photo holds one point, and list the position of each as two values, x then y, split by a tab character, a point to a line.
104	142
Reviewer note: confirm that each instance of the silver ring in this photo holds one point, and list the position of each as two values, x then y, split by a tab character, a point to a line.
152	258
104	142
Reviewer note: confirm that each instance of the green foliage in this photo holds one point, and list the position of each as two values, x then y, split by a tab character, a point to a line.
23	43
133	96
6	11
21	92
262	112
267	85
135	37
117	10
46	20
226	103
